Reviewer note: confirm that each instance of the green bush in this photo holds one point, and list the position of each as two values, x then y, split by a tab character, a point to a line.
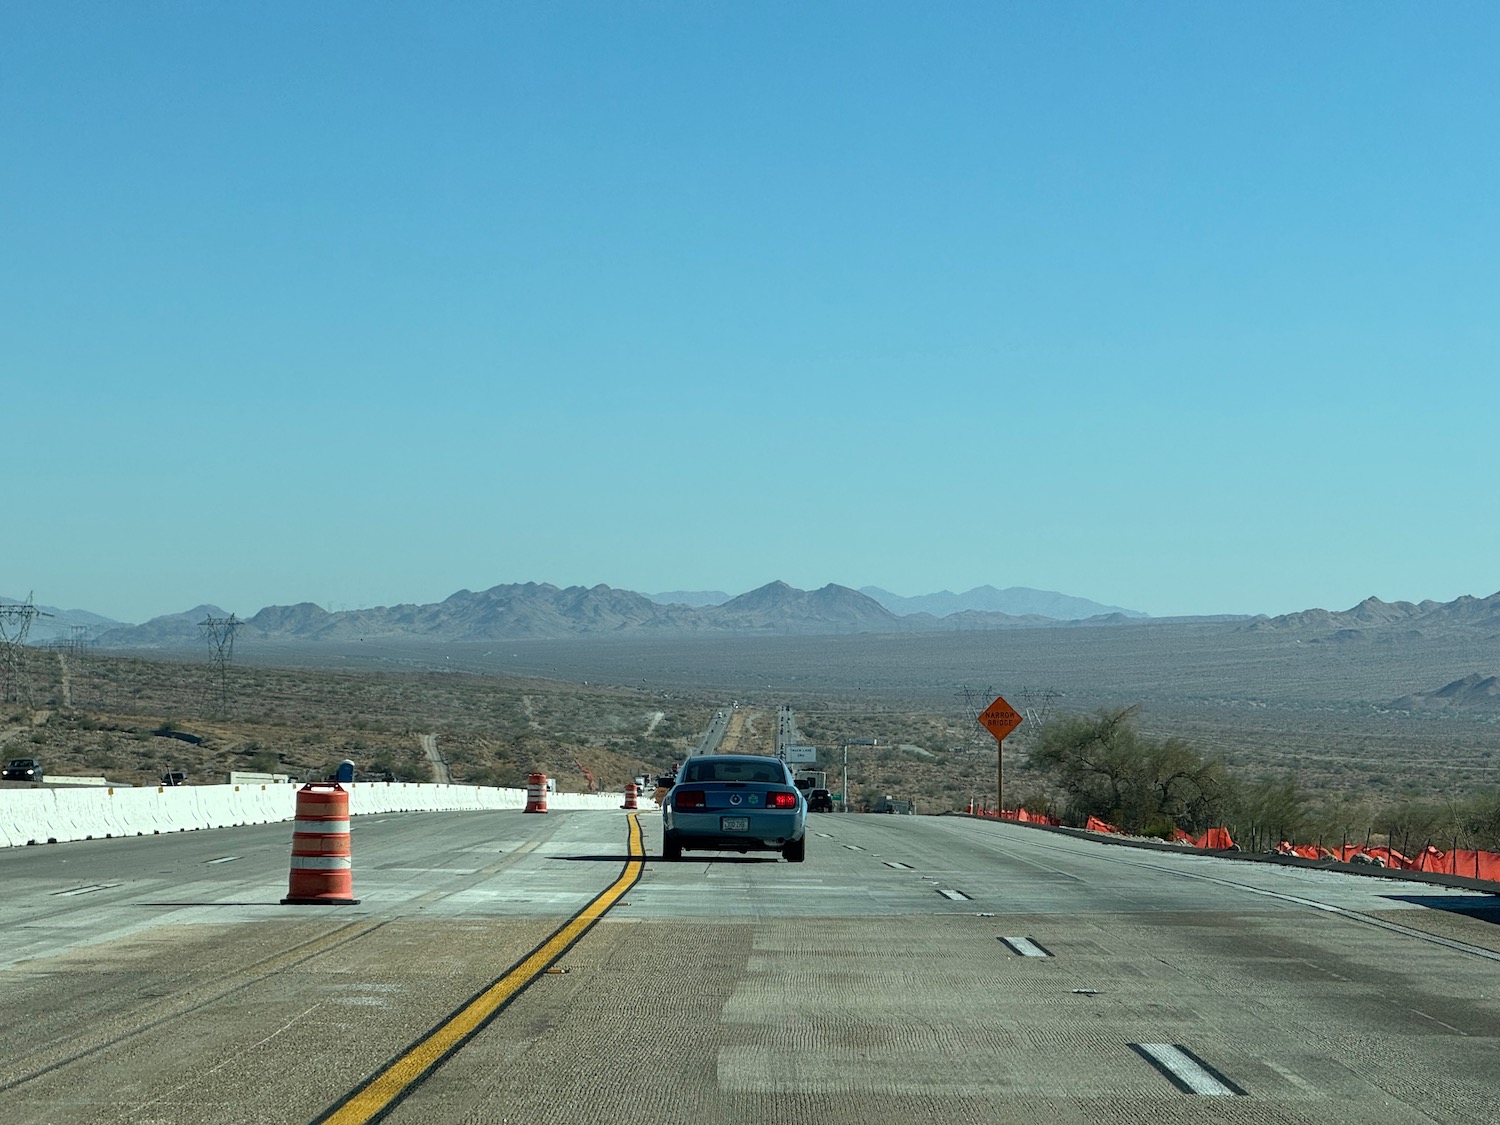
1161	827
1107	769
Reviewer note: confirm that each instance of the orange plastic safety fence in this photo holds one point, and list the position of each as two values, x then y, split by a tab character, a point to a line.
1305	851
1217	838
1470	862
1022	815
1460	861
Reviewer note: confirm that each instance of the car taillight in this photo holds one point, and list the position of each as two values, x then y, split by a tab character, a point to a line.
689	799
782	800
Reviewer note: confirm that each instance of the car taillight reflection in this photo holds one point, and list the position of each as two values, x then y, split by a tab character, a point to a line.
689	799
781	800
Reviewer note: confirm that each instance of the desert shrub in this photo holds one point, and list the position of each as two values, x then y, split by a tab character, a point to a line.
1160	827
1481	820
1106	768
1259	814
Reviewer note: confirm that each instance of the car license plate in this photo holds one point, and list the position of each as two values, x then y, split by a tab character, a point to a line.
734	823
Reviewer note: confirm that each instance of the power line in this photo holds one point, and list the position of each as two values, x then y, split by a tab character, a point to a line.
219	633
1036	705
15	623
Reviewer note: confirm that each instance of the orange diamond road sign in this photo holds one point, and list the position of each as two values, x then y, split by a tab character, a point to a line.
1000	718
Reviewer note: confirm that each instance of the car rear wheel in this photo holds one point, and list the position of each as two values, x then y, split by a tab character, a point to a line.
796	851
671	848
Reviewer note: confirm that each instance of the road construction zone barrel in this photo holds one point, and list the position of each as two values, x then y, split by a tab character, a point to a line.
536	793
322	866
630	797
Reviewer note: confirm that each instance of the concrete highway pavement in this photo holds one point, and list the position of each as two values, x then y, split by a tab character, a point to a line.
157	980
718	727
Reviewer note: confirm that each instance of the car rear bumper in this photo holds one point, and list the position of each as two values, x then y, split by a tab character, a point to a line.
767	831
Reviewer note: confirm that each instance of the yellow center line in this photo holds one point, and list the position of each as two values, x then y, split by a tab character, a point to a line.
383	1091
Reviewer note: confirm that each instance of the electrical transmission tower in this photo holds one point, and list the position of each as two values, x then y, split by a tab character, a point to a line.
1036	705
974	701
15	623
219	633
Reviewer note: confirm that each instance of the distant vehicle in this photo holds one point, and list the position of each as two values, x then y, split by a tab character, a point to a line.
734	803
174	777
22	769
820	800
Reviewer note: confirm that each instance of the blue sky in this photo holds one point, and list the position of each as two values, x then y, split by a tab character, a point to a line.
1187	307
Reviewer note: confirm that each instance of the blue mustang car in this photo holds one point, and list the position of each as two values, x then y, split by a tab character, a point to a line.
734	803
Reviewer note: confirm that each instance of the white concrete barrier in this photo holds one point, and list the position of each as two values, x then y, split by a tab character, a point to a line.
40	816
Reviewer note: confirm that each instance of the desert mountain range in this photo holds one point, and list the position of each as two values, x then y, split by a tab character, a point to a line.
1372	614
1014	601
543	611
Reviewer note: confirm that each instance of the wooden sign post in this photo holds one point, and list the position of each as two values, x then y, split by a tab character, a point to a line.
999	718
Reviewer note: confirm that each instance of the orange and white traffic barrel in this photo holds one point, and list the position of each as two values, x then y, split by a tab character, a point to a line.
536	793
322	865
630	797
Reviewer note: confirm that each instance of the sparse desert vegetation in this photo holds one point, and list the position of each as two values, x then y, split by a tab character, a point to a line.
131	719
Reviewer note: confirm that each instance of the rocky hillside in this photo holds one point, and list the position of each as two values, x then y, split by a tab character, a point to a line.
1472	693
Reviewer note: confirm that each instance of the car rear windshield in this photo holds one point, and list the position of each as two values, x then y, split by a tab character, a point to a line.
732	771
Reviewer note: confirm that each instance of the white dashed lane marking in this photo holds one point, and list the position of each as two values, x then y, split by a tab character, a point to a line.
83	890
1186	1070
1025	947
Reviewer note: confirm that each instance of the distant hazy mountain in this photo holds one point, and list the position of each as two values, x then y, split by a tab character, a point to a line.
697	598
539	610
777	607
58	625
1014	601
1374	615
528	609
172	630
